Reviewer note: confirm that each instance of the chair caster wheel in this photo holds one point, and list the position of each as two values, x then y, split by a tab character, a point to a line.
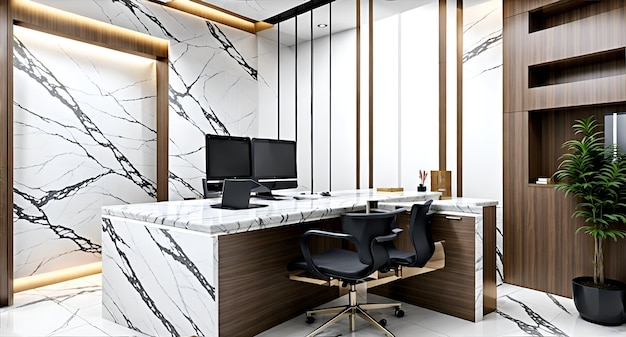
383	322
399	313
310	319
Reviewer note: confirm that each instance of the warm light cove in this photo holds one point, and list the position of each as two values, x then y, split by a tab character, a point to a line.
215	14
36	16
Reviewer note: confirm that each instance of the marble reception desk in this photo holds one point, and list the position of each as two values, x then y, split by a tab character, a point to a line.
186	268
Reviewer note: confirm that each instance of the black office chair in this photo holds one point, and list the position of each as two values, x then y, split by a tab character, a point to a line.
421	237
368	232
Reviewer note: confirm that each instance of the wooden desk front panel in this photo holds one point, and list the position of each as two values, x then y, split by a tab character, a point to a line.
255	293
452	289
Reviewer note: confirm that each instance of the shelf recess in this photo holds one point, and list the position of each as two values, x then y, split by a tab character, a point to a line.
559	13
586	67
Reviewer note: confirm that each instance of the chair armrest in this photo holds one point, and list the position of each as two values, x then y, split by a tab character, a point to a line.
304	244
385	238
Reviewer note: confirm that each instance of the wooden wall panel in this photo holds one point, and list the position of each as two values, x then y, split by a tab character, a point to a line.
514	74
589	35
604	90
516	7
515	155
541	249
6	154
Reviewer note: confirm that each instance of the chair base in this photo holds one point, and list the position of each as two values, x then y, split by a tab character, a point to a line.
352	310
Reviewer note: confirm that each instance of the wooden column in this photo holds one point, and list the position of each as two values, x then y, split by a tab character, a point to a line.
371	92
6	154
162	119
358	94
459	95
443	97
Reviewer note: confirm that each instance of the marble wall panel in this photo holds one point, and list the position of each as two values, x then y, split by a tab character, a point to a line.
84	137
85	125
214	82
482	107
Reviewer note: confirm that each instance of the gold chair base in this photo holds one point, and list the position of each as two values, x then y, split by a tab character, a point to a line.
437	261
352	310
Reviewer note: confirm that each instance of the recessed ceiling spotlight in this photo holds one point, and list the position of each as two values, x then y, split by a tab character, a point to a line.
322	25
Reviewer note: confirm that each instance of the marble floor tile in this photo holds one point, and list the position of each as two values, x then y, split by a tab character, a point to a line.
74	308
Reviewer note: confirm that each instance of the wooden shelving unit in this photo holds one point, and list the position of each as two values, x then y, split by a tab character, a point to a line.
563	60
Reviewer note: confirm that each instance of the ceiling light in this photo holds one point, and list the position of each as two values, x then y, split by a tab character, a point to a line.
322	25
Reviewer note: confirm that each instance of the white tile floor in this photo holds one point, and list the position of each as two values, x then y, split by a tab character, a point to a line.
74	308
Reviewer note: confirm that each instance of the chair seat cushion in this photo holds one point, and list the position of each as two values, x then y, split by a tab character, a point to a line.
401	257
338	263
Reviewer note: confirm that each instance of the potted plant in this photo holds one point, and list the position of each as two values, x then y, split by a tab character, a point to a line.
596	176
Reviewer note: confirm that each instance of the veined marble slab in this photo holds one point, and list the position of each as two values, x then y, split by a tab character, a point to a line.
199	215
462	205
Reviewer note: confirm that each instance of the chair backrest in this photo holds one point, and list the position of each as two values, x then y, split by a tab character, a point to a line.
420	232
365	227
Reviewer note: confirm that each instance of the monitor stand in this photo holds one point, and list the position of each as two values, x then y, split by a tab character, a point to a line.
236	194
266	196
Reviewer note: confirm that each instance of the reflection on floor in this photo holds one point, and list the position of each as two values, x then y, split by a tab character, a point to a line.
74	308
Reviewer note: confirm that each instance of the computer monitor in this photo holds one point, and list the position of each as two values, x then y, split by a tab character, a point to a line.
227	157
274	163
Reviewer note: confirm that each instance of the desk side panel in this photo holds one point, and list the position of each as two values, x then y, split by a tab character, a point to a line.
455	290
158	280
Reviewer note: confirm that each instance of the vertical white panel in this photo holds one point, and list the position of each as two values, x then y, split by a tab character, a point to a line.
304	114
482	108
344	111
287	83
386	105
420	93
268	92
321	114
482	101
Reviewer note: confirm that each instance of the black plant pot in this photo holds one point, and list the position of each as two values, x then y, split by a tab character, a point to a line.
600	306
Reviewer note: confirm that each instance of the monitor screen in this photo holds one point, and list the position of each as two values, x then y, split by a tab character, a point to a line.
227	157
273	159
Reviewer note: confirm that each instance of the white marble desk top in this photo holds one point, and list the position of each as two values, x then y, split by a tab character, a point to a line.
198	215
458	205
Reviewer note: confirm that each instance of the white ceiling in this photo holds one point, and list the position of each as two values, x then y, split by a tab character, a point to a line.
263	9
343	15
258	10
